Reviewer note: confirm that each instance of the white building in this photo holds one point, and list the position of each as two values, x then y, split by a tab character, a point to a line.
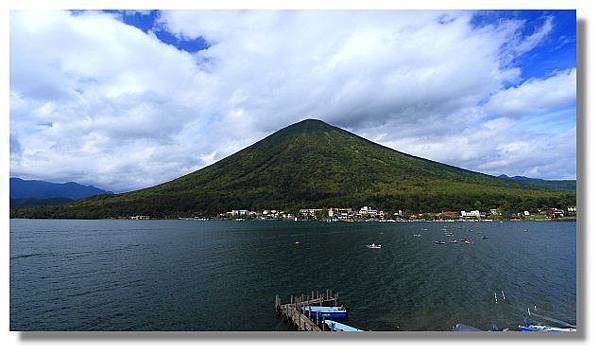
471	214
239	213
367	211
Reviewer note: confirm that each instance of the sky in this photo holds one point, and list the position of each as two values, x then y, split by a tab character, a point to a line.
128	99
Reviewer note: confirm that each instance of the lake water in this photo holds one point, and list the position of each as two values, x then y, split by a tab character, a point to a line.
219	275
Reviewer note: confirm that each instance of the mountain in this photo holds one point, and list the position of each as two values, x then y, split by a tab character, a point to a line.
29	193
312	164
35	202
552	185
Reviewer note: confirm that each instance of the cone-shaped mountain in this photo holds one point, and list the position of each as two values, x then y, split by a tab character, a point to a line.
311	164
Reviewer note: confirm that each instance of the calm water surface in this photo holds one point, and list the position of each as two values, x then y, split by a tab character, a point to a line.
216	275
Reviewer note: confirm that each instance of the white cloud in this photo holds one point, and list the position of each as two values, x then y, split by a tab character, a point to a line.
536	95
535	38
128	111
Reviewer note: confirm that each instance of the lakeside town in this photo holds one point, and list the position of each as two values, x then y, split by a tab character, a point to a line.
368	214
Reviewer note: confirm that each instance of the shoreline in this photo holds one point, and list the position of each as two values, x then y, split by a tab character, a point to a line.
569	219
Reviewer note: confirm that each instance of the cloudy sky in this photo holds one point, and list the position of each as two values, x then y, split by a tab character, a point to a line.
124	100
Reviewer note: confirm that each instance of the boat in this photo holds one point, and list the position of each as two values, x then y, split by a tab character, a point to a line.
374	246
543	328
439	242
465	328
322	312
453	241
468	241
339	327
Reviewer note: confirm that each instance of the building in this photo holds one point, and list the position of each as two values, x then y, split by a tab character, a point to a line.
367	211
526	213
138	218
472	214
555	213
309	212
494	212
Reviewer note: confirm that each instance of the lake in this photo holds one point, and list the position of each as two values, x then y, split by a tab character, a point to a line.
224	275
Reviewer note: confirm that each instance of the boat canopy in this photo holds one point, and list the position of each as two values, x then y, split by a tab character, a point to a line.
320	309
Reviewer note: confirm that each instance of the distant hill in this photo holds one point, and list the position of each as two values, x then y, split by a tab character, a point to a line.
35	202
551	185
29	193
312	164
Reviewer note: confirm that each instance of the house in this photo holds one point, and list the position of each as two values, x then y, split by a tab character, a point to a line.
398	214
139	218
309	212
526	213
367	211
494	212
471	214
555	213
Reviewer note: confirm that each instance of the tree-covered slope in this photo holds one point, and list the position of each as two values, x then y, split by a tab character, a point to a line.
552	185
313	164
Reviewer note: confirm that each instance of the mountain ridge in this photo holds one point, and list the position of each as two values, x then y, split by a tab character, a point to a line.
313	164
39	189
552	185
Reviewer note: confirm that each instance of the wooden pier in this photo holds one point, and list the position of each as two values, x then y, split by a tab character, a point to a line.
292	312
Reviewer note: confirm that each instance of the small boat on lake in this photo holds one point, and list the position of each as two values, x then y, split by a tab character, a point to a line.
339	327
374	246
439	242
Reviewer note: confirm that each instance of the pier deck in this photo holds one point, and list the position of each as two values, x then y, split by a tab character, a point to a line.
292	312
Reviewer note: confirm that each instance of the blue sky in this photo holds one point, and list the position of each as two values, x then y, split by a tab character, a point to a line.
128	99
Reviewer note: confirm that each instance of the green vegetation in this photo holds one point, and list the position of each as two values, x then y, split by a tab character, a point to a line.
551	185
312	164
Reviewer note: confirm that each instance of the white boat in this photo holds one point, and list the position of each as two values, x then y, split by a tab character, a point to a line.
544	329
374	246
340	327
